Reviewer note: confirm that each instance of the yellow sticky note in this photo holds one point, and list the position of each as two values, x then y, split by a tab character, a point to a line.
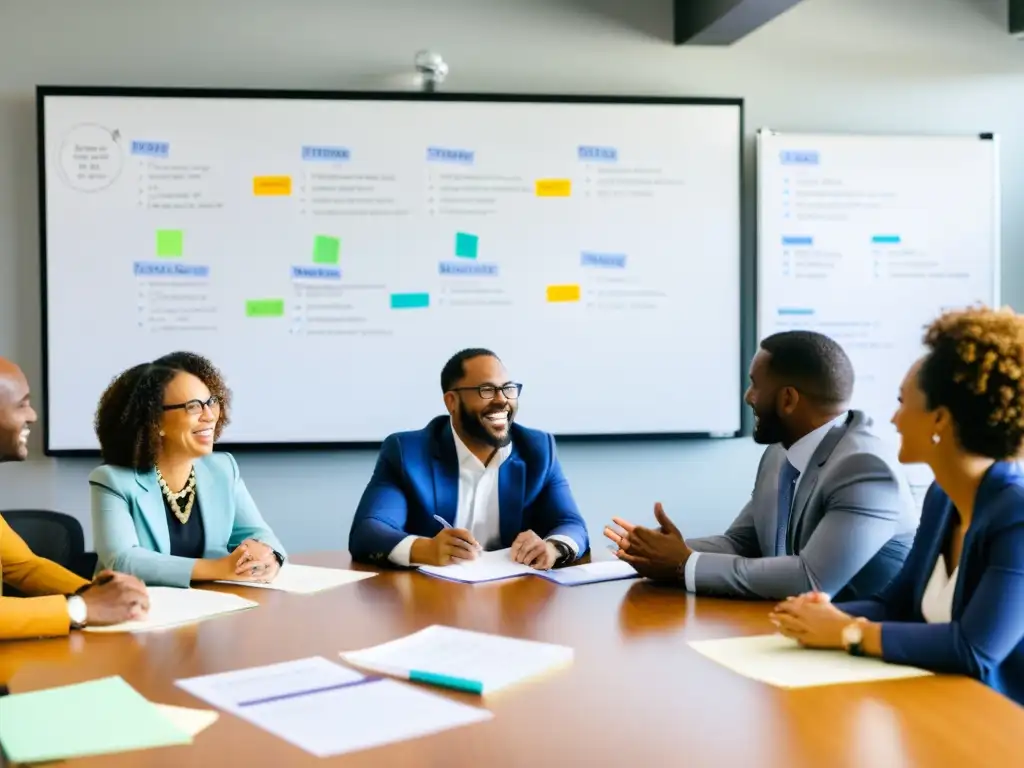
268	186
563	293
554	187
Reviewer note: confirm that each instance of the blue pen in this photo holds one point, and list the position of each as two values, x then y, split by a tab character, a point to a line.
446	524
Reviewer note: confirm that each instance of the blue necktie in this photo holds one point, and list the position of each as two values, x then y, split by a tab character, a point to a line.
787	482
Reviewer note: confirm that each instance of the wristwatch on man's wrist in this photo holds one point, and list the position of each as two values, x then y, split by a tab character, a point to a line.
564	551
78	612
853	637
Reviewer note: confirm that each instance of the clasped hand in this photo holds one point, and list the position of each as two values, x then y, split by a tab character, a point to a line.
655	554
255	561
811	620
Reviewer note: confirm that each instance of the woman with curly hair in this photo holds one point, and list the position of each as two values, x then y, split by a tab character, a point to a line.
165	508
957	606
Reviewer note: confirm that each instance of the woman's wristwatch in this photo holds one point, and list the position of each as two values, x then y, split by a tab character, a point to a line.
78	612
853	637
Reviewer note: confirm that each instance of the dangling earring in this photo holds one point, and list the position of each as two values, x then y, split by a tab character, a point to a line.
162	434
936	439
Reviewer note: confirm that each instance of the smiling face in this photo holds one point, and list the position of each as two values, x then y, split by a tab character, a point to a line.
916	425
189	419
16	413
487	420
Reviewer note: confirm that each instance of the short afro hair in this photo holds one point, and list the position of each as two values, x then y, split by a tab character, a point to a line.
128	417
455	368
973	368
812	363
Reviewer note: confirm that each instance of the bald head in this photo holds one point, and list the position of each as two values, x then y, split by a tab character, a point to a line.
16	414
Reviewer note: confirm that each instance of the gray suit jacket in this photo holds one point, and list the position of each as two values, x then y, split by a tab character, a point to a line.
851	528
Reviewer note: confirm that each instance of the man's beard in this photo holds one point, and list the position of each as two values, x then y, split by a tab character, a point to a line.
473	426
769	429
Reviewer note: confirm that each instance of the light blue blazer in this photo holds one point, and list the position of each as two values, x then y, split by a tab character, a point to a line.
129	520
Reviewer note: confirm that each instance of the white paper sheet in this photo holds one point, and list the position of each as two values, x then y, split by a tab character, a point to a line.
307	579
437	652
188	720
779	661
590	573
171	607
326	709
488	566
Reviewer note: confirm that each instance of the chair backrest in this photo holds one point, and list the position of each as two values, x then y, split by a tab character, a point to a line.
53	535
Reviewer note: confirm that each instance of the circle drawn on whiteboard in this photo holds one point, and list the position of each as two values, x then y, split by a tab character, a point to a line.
91	157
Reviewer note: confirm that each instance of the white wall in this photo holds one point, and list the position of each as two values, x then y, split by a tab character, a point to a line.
853	65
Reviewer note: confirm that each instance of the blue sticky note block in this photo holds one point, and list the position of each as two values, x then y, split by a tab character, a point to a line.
466	245
410	300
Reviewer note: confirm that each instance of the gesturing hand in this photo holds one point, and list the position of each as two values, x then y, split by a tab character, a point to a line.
655	554
531	549
113	598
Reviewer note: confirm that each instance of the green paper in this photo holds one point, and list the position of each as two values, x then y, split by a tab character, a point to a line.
100	717
264	308
170	243
326	249
466	245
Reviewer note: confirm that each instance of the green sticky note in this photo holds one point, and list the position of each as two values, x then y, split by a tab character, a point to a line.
170	243
326	249
264	308
100	717
466	245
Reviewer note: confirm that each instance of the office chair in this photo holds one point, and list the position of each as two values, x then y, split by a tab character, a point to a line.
55	536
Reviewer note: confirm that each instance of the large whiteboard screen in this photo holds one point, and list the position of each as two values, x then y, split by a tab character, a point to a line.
330	252
868	238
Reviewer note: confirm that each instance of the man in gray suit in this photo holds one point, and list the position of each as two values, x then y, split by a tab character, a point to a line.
831	510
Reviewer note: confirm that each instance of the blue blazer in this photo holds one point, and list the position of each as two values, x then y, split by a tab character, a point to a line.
417	477
129	520
985	639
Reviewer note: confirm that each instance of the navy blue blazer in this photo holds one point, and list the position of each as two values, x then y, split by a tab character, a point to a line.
985	639
417	477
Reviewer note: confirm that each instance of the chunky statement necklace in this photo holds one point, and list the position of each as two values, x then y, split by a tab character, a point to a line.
172	497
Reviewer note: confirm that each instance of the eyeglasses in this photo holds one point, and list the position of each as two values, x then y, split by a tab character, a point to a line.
195	407
488	391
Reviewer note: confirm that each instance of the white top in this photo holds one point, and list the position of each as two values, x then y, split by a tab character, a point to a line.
799	455
937	601
477	510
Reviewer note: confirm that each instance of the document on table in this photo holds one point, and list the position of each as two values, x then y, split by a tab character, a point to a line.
188	720
461	659
99	717
172	607
779	661
327	709
488	566
307	579
590	573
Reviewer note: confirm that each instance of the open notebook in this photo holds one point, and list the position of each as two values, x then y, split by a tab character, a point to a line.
499	566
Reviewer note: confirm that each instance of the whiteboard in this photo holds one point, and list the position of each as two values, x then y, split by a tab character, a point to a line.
329	252
868	238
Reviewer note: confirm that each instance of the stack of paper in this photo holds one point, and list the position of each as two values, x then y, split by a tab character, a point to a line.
307	579
170	607
779	661
499	566
461	659
326	709
96	718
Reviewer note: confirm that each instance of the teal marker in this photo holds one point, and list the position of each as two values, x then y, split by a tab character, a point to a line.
458	683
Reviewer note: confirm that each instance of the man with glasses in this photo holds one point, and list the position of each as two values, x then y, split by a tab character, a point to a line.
470	481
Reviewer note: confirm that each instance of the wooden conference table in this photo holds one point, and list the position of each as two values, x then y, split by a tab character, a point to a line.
636	694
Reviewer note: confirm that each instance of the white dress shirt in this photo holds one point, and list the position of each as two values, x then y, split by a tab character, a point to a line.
478	508
937	601
799	455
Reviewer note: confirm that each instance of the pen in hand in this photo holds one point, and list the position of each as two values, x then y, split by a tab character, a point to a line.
445	524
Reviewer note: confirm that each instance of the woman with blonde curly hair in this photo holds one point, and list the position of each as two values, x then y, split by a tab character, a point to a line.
957	606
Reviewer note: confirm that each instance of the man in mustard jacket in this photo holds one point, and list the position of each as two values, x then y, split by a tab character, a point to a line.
56	599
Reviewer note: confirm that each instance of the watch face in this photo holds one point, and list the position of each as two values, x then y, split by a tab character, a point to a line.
852	634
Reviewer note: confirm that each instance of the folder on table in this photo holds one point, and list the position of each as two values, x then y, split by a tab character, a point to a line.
461	659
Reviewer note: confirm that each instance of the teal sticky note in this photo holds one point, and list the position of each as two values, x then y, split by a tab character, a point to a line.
466	245
410	300
100	717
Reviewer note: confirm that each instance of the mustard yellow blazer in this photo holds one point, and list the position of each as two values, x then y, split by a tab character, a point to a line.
44	613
